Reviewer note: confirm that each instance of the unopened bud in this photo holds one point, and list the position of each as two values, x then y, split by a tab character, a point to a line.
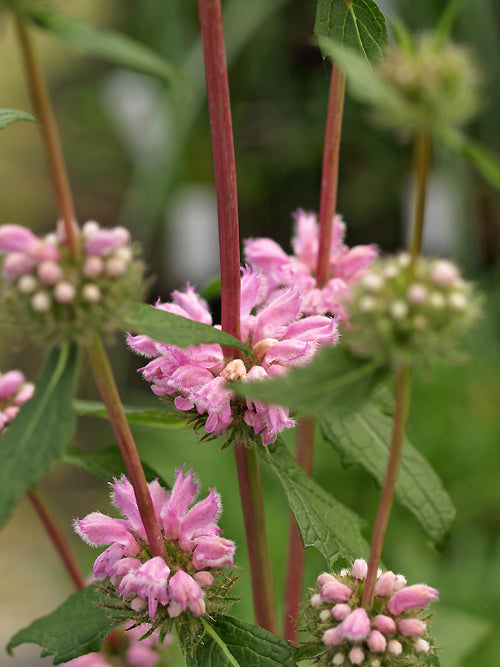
391	271
41	302
203	579
64	292
315	600
93	267
91	293
411	627
115	267
394	647
444	273
50	272
359	569
437	300
458	301
27	284
341	611
338	659
261	348
398	310
421	646
373	282
324	615
367	304
124	253
357	655
417	293
376	641
90	228
235	370
385	584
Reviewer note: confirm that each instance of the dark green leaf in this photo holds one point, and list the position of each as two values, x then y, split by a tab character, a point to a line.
174	329
105	44
135	415
334	381
485	161
76	627
41	430
323	522
363	437
8	116
106	463
357	24
231	642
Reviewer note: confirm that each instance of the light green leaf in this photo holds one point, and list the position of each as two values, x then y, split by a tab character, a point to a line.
41	430
357	24
323	522
363	437
485	161
135	415
230	642
174	329
334	381
107	45
76	627
459	634
8	116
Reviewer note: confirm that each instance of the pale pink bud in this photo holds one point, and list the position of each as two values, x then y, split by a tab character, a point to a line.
64	292
50	272
376	641
325	578
138	604
421	646
411	627
457	301
11	412
394	647
10	383
335	591
417	293
398	309
315	600
17	264
384	623
204	579
27	284
359	569
93	267
90	227
357	655
385	584
24	394
373	282
324	615
341	611
185	591
16	237
115	267
91	293
41	302
124	253
332	637
174	610
400	582
411	597
444	273
42	251
356	626
261	348
338	659
235	370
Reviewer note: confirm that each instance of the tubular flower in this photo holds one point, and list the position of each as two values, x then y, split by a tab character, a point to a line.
196	377
52	294
158	591
346	265
391	632
14	392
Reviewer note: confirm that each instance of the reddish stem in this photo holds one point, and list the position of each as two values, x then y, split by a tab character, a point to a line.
330	171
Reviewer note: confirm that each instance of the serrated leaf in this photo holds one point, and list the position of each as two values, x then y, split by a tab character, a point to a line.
8	116
174	329
135	415
41	430
76	627
106	463
357	24
334	380
481	158
364	436
229	642
323	522
107	45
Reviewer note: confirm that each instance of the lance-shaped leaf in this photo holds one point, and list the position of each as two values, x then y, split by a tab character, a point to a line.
38	435
358	24
323	522
364	436
107	45
174	329
167	418
485	161
76	627
229	641
334	380
8	116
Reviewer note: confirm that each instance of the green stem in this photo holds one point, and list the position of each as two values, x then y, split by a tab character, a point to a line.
50	135
57	538
402	402
256	534
422	159
295	568
109	393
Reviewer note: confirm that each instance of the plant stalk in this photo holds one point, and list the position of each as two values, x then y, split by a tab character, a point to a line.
109	393
295	567
422	161
50	135
256	533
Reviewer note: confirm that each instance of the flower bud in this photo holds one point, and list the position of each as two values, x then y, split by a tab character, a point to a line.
421	646
335	591
93	267
376	641
16	264
332	637
16	238
27	284
394	647
91	293
411	627
115	267
50	272
411	597
356	656
385	584
64	292
235	370
10	383
356	626
341	611
41	302
203	579
338	659
359	569
384	623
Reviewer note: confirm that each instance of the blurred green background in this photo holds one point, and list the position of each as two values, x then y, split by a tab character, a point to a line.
141	156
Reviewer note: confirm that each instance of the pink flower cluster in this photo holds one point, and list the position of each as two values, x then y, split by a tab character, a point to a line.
346	265
276	330
390	631
14	392
193	542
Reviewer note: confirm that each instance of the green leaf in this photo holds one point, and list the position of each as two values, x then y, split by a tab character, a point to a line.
174	329
363	437
41	430
333	381
106	463
323	522
135	415
357	24
229	641
76	627
485	161
111	46
8	116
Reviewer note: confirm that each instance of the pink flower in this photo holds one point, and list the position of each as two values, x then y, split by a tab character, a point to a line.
149	581
16	238
14	392
356	626
411	597
187	593
346	266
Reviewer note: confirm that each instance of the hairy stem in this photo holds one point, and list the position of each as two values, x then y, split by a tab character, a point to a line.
109	393
330	172
50	135
256	533
402	402
295	567
422	159
57	538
